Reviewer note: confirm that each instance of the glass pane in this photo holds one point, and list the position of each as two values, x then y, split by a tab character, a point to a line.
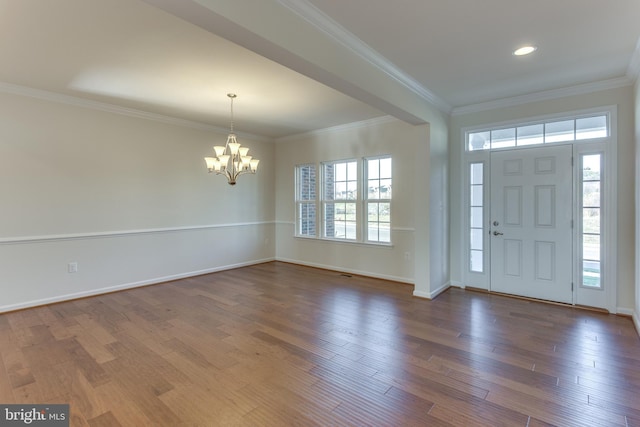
350	230
479	140
372	214
306	183
531	134
591	194
476	173
340	171
373	232
476	239
384	212
373	190
591	247
350	211
329	220
591	167
384	233
339	211
559	131
476	261
341	190
373	169
352	190
385	189
329	181
503	138
476	217
476	195
307	219
385	168
591	127
591	274
352	170
591	220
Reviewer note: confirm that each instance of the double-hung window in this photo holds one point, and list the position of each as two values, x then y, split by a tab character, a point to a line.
340	200
348	200
378	199
306	201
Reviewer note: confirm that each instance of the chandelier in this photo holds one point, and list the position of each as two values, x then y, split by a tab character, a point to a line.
232	160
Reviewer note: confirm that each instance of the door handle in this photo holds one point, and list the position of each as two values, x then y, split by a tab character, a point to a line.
497	233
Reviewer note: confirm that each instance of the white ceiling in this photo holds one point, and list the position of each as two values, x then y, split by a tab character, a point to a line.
450	53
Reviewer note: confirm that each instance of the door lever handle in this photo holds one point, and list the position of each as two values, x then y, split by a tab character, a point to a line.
497	233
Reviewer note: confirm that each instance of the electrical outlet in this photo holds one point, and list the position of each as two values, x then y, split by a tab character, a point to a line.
72	267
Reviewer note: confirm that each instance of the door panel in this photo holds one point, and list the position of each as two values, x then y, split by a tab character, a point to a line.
531	212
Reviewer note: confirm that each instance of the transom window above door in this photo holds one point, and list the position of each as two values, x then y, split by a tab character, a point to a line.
546	132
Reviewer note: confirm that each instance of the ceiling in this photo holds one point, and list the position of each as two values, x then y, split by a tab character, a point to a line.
168	57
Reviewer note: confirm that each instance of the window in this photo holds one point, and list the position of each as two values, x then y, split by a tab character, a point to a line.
340	199
476	223
343	208
591	220
306	202
378	199
566	130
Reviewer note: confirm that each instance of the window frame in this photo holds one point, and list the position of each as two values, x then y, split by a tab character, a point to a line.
300	201
360	202
581	233
520	134
367	201
325	201
604	297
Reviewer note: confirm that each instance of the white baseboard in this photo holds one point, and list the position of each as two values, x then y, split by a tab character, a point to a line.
109	289
624	311
431	295
348	270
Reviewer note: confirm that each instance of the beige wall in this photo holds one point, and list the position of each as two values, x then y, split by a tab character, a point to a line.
128	199
623	98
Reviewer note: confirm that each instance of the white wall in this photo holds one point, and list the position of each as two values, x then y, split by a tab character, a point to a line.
389	136
623	98
128	199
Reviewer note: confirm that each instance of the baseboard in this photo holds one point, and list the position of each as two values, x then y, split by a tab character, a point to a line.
433	294
348	270
624	311
122	287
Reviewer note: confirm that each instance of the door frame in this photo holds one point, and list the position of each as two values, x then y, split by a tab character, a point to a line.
607	146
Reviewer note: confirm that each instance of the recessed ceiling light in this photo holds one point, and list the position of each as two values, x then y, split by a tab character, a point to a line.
525	50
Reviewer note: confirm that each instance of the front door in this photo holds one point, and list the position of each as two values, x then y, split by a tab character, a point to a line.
531	222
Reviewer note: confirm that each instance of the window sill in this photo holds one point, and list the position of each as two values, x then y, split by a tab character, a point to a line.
348	242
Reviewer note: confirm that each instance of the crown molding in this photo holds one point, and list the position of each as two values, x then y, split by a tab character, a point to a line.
324	23
544	95
116	109
340	128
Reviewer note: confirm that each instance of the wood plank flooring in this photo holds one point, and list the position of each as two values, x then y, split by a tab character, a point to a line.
277	344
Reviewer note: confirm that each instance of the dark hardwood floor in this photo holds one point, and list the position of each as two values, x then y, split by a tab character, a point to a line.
278	345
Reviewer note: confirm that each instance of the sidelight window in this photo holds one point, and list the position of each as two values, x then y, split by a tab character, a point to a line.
591	220
476	222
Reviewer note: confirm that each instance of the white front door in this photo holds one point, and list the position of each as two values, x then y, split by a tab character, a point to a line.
531	219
